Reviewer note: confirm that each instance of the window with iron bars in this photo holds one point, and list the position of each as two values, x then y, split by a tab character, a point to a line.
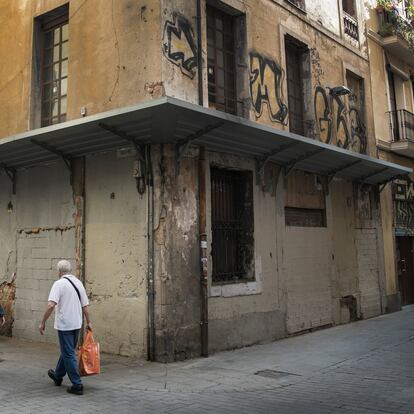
232	225
221	58
54	68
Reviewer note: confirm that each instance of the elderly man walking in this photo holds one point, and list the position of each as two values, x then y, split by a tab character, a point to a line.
69	297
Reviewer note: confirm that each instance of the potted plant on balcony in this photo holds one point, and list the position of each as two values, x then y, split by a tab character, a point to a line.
410	14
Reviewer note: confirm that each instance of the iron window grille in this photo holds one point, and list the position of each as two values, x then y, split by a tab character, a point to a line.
54	70
350	19
221	61
232	225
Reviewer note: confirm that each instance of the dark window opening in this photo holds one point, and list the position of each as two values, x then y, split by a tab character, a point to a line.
348	6
53	50
350	20
296	60
221	56
232	225
393	113
305	201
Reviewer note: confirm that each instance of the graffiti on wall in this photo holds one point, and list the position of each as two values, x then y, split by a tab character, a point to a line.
317	70
266	77
336	123
403	195
179	45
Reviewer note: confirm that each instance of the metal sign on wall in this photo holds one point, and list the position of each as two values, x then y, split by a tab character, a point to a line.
403	196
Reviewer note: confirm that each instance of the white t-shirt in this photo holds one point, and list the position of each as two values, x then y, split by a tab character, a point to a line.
68	310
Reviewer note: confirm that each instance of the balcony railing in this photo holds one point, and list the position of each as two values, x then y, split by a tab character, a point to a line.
351	27
391	23
401	125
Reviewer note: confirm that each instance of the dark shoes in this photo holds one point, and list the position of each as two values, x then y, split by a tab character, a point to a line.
57	381
75	390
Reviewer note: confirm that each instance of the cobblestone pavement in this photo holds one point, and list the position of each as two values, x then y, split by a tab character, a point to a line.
364	367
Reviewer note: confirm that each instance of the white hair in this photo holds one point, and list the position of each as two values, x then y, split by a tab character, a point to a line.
64	266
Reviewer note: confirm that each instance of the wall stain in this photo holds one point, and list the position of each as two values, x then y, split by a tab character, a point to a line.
37	230
7	296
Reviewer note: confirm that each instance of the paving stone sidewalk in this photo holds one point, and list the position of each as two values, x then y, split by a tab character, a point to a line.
363	367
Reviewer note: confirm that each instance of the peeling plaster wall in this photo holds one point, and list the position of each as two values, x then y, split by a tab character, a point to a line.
177	269
116	254
44	233
326	13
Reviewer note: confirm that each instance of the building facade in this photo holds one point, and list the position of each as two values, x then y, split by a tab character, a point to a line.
209	167
390	48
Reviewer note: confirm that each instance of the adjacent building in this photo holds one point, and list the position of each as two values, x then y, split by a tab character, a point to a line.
392	63
209	167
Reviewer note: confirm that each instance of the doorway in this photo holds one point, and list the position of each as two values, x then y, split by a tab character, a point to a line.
405	269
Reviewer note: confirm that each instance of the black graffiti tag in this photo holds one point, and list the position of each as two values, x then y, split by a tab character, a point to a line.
266	77
334	122
179	45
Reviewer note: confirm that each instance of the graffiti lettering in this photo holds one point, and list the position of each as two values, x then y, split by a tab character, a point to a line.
179	45
335	122
404	215
403	189
266	77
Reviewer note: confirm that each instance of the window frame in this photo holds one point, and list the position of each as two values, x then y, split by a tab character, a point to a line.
229	66
50	56
232	212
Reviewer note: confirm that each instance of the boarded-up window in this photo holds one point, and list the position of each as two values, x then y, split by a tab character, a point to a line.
305	201
232	225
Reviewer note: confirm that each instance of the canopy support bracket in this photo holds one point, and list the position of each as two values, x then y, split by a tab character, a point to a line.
332	173
381	187
364	177
182	146
263	161
66	159
291	165
121	134
11	174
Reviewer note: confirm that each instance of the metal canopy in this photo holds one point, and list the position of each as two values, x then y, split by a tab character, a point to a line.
169	120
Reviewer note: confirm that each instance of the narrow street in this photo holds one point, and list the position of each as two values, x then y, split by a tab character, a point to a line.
364	367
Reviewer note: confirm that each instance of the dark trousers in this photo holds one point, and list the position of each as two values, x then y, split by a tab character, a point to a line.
67	363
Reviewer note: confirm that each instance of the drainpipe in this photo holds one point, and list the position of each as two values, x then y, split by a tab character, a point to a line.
150	271
199	55
203	251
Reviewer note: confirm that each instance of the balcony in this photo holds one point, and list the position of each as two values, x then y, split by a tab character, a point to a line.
397	34
351	27
402	132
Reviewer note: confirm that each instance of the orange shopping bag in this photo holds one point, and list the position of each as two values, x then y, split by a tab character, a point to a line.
89	359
